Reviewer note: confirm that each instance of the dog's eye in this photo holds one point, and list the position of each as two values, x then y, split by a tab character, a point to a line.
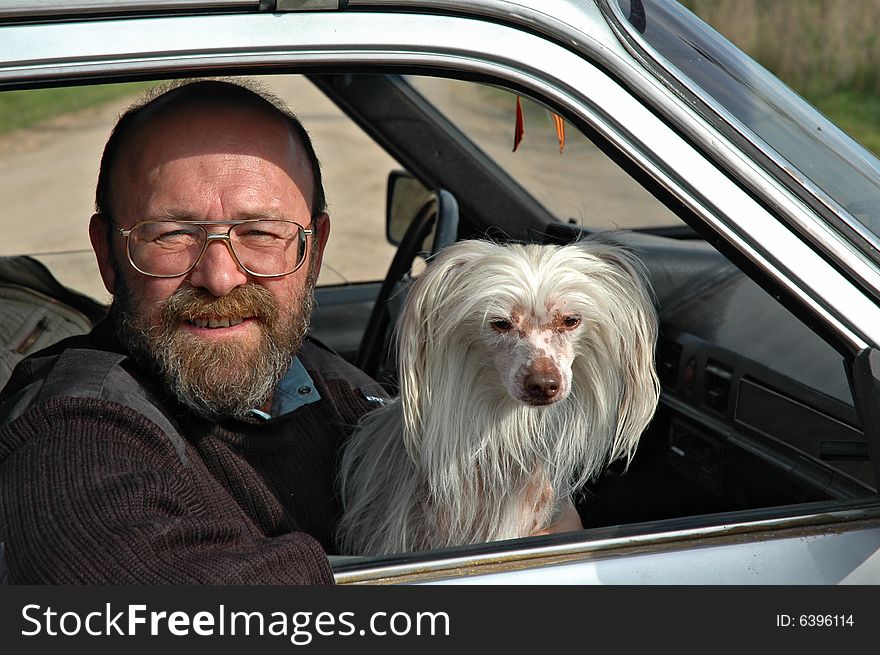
501	325
571	322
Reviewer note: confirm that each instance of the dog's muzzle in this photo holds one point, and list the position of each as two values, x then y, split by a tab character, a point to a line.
542	382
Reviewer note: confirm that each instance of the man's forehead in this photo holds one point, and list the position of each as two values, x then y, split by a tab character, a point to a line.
204	116
193	130
199	128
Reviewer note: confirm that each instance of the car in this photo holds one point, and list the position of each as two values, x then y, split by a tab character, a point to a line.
753	213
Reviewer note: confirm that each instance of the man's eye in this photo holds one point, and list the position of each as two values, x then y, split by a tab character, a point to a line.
264	231
174	237
257	235
501	325
172	234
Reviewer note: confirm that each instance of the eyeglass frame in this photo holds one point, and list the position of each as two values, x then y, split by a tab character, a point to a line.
304	234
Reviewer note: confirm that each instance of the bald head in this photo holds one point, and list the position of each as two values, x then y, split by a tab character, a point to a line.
208	117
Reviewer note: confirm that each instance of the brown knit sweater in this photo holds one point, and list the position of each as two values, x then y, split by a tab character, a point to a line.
94	492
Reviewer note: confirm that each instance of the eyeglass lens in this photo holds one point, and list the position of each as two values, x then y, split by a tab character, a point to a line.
170	248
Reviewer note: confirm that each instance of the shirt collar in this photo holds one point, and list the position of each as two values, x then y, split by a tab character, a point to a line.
296	389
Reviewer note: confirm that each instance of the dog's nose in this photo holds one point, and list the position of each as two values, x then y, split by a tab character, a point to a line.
542	384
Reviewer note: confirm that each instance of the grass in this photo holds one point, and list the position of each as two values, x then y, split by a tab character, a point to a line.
826	50
20	109
856	114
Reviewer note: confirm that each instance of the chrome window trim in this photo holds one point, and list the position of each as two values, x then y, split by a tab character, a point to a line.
165	45
518	560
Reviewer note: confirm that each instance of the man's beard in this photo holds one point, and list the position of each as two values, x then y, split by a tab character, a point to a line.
214	380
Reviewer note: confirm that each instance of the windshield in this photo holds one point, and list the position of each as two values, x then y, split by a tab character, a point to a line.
812	149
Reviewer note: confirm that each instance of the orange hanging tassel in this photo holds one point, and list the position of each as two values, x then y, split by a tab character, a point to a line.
519	129
560	131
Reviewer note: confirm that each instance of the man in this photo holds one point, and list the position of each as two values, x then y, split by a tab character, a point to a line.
192	436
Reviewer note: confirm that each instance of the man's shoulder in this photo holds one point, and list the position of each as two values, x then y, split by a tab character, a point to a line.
74	369
338	377
321	360
39	365
83	367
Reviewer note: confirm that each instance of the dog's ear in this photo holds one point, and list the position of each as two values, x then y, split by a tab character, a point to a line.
425	319
636	327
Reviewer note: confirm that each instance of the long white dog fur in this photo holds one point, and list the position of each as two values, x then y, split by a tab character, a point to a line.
524	370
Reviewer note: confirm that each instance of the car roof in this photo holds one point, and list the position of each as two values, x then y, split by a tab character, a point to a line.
84	8
33	8
55	9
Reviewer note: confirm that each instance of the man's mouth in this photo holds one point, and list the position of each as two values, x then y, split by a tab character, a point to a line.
215	322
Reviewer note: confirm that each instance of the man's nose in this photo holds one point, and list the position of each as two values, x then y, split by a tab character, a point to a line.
218	272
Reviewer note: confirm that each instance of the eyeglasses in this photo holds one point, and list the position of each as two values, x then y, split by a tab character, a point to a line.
262	247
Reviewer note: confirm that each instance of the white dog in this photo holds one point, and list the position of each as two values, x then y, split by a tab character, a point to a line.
524	370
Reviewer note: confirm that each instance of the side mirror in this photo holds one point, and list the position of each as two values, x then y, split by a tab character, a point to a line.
406	196
419	222
408	199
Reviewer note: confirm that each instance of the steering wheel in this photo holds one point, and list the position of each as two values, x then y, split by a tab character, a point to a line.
441	209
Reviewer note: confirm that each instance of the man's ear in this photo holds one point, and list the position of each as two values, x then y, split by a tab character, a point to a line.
321	223
99	228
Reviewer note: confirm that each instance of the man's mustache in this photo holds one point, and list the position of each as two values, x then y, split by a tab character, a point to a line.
248	301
